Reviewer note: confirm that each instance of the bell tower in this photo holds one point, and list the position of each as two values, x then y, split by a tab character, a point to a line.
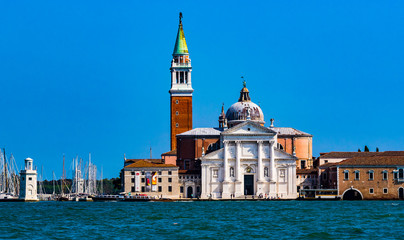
181	88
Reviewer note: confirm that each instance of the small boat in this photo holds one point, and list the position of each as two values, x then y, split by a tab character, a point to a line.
107	198
8	197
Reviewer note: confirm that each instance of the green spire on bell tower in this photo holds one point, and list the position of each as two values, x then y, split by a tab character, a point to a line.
180	47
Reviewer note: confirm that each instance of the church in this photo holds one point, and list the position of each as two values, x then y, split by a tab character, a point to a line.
238	159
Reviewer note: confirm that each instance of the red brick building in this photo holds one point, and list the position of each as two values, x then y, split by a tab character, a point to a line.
375	177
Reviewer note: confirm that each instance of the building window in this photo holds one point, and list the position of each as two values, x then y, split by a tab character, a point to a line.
346	175
325	176
231	172
181	189
177	125
198	189
132	173
385	190
169	180
30	179
169	172
215	173
187	164
176	101
143	189
160	189
357	175
176	113
385	175
187	177
395	175
132	180
401	173
133	189
143	180
266	172
159	179
371	175
325	161
371	191
142	172
170	189
159	172
302	164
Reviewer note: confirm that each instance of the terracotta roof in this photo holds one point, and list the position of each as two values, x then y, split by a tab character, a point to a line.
326	165
360	154
147	164
391	153
170	153
348	154
306	171
287	131
157	160
374	161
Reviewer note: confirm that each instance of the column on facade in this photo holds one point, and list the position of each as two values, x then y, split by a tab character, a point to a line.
260	167
189	77
272	159
238	165
226	161
173	78
204	181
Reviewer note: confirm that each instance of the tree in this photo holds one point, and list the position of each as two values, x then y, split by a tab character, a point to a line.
377	149
366	149
359	150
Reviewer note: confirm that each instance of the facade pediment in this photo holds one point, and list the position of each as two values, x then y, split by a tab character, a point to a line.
249	128
280	154
218	154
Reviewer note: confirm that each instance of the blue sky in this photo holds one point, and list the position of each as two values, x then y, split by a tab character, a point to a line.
93	76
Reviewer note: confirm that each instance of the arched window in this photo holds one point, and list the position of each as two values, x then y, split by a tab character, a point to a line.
346	175
371	175
231	172
385	174
357	175
266	172
401	173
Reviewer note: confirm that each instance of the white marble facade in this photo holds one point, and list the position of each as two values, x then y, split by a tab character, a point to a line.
248	163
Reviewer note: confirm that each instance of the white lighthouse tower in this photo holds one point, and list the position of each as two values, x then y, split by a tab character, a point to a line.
28	182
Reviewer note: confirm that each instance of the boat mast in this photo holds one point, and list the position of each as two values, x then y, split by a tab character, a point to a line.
53	181
63	173
5	172
102	187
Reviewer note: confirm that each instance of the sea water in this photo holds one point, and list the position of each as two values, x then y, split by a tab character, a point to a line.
203	220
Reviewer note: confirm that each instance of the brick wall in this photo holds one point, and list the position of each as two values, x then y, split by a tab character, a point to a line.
364	184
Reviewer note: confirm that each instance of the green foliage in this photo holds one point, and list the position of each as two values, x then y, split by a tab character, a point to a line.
377	149
366	148
359	150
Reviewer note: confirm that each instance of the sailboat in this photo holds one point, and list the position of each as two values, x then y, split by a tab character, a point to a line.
9	179
62	196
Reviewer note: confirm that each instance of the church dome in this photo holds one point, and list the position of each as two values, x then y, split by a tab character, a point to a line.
244	110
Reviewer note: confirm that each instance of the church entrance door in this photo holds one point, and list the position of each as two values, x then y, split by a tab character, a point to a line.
249	184
189	192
